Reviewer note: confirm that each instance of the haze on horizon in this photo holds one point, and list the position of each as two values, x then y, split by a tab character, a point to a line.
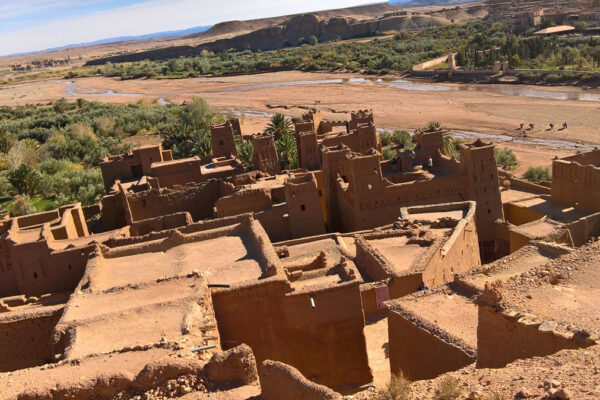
36	25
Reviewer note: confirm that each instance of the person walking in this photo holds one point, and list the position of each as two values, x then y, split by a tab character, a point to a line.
430	164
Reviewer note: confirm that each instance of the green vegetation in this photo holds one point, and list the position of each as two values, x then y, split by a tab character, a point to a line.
387	153
49	153
279	126
505	158
403	139
385	138
537	174
478	44
397	389
452	147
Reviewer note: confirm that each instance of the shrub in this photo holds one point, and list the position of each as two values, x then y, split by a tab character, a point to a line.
448	389
21	205
387	153
312	40
385	138
24	179
505	158
397	389
537	174
403	139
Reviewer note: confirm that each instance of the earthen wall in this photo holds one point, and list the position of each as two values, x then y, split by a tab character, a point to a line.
25	340
325	343
418	353
501	339
576	185
178	172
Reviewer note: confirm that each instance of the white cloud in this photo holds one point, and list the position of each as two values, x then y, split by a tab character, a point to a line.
149	17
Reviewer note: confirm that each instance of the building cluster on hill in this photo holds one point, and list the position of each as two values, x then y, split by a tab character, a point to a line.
198	268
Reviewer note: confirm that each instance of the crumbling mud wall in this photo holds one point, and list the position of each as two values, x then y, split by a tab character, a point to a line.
325	342
503	338
422	351
177	220
177	172
198	200
281	381
25	338
244	201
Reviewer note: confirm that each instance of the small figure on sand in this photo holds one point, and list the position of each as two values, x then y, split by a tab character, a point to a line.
564	125
551	126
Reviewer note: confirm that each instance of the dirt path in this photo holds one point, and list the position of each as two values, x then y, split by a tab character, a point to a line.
376	333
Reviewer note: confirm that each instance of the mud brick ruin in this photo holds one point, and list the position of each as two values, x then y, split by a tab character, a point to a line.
199	270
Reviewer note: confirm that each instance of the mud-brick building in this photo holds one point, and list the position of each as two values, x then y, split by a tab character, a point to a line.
358	196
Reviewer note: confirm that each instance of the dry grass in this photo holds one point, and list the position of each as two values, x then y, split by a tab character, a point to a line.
397	389
448	389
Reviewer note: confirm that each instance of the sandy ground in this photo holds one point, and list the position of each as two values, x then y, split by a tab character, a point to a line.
473	110
376	334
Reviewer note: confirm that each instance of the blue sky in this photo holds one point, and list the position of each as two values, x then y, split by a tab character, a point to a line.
30	25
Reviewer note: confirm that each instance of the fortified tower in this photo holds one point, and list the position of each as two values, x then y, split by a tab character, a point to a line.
479	165
223	143
304	206
264	157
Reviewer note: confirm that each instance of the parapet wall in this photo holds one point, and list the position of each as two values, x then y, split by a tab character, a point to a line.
576	185
505	337
421	350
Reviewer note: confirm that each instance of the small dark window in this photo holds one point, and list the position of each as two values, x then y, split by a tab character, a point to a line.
489	210
70	267
35	275
302	207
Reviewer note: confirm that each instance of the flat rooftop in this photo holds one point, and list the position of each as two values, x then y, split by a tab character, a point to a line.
451	312
556	211
522	260
98	322
565	290
401	251
221	260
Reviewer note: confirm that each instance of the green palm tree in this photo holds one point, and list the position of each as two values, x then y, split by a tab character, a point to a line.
245	150
433	126
287	152
451	147
279	126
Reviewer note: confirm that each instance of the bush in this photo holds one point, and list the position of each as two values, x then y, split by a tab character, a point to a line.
387	153
24	179
397	389
21	205
403	139
505	158
448	389
312	40
385	138
537	174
